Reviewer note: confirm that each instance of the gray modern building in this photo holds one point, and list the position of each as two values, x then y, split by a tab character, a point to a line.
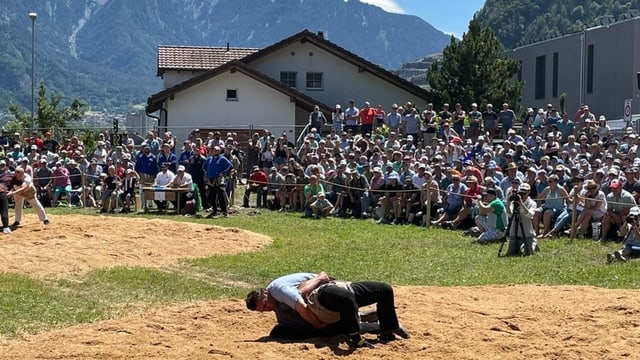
599	66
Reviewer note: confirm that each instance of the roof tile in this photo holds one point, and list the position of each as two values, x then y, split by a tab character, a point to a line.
197	57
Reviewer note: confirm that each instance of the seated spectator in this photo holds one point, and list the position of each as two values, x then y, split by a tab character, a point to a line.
492	217
390	200
163	178
182	180
357	199
553	199
474	190
630	232
62	183
43	181
128	188
619	202
258	183
452	200
275	185
110	191
321	207
595	207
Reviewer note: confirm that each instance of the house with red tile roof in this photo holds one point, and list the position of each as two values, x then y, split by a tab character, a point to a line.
233	89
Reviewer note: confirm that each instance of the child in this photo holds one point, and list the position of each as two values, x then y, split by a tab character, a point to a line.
631	233
321	207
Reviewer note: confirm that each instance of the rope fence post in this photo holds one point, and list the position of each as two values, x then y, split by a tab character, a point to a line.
83	181
574	216
428	216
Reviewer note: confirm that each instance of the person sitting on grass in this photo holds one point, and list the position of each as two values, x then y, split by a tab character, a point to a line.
630	231
492	217
310	305
321	207
452	200
468	208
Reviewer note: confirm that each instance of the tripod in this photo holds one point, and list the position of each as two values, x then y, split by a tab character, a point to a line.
520	238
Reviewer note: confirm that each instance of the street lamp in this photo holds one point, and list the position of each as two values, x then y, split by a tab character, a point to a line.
33	16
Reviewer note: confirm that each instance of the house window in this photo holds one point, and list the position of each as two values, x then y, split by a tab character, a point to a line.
554	82
232	94
540	76
590	69
289	78
314	81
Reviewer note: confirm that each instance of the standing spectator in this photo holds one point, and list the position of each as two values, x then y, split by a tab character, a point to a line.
380	117
366	117
153	143
411	124
458	119
217	168
337	118
394	119
507	118
195	167
317	119
258	183
50	143
167	157
351	117
475	118
146	165
490	122
5	184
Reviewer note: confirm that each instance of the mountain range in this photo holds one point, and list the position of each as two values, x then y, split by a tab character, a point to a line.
105	51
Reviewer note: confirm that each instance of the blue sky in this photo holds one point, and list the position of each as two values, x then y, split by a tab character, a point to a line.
448	16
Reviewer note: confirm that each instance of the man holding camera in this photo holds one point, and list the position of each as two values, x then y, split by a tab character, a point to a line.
521	234
630	232
492	217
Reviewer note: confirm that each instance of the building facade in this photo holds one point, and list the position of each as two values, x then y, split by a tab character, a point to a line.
274	88
598	66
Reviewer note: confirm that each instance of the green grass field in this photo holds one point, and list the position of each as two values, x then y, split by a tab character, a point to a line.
349	249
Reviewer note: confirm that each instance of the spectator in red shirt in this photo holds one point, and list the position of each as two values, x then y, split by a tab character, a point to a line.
380	116
34	140
366	114
258	183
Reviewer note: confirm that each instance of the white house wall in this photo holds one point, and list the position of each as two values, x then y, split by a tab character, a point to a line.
205	106
342	80
174	77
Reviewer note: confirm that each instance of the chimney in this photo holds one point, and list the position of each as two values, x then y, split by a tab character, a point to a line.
321	34
227	46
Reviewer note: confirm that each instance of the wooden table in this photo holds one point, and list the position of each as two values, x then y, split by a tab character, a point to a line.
163	194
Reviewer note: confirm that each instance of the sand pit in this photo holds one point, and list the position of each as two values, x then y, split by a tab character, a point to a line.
75	245
492	322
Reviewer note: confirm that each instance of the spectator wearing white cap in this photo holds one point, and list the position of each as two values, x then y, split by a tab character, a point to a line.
337	118
321	207
181	180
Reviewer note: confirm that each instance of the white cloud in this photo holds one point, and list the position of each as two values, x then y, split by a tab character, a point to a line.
386	5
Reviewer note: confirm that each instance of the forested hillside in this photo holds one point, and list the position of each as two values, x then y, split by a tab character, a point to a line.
518	23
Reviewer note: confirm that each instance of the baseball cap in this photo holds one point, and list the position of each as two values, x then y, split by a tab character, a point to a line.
489	192
615	184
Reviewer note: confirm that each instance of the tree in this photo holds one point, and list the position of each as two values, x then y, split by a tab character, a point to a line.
475	69
50	115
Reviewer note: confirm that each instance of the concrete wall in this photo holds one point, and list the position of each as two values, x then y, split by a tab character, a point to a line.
205	106
616	60
342	81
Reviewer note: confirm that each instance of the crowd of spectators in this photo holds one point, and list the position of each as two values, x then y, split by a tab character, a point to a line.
391	165
396	167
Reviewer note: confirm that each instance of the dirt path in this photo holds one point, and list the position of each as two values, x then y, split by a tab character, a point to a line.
493	322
